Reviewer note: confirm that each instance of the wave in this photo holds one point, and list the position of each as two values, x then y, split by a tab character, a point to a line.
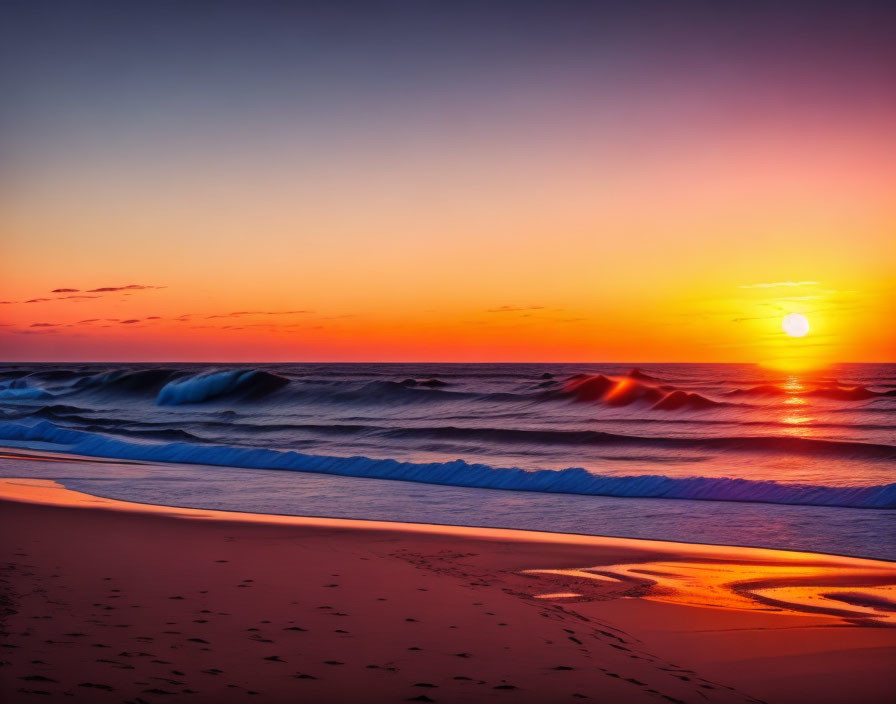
755	443
626	390
248	383
833	391
516	437
19	389
459	473
140	381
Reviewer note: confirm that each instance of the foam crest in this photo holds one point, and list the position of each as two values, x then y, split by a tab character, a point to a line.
203	387
457	473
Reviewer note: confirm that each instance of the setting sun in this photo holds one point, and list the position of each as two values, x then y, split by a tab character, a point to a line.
795	325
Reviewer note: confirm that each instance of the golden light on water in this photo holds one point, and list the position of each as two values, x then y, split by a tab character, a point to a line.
794	409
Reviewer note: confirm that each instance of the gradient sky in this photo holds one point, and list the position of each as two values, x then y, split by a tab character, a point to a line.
482	181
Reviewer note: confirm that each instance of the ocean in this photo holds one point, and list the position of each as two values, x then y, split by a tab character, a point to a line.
712	453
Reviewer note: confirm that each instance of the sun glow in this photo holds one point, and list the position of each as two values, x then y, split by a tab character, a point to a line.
795	325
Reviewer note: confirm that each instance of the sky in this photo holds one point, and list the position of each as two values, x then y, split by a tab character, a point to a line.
447	181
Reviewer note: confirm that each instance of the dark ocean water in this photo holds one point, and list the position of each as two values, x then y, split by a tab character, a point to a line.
710	437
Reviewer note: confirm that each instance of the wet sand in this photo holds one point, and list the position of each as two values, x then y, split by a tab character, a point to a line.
110	601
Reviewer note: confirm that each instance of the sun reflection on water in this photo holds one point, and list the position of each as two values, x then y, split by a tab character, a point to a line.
795	409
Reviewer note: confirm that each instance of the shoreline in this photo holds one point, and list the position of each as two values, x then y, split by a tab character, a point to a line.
19	453
397	524
613	610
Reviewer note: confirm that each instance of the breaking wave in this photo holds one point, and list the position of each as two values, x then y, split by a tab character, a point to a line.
457	473
626	390
250	383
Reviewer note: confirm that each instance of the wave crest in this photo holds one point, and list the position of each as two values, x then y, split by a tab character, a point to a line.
626	390
459	473
248	383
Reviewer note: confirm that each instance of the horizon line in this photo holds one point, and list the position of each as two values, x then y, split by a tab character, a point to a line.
259	361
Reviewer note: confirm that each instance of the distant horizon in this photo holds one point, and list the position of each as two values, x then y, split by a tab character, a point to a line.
415	361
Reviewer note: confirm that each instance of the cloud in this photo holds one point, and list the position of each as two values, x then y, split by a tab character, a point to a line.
775	284
89	320
6	303
65	290
44	325
59	298
39	331
129	287
514	309
154	317
128	322
240	313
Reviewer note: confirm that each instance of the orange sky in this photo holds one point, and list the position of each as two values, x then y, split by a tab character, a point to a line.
539	213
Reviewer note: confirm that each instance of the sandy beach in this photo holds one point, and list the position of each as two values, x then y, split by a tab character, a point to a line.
105	600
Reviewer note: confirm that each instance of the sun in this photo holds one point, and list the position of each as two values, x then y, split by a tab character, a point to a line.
795	324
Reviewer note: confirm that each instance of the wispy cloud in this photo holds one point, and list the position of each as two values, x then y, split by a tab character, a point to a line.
776	284
44	325
129	287
241	313
514	309
38	331
65	290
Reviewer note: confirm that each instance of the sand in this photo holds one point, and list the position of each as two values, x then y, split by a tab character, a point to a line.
110	601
